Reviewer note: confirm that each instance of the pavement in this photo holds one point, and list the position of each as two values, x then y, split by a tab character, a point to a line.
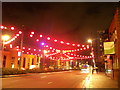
95	80
66	79
100	80
18	75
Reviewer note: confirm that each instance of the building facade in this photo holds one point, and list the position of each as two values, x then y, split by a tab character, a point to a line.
11	59
114	35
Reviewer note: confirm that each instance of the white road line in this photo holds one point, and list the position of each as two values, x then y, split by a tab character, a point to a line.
48	73
58	72
50	82
43	76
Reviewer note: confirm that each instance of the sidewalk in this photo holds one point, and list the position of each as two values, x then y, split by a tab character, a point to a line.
100	80
18	75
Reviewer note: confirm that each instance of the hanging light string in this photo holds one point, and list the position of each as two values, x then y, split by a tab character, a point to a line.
14	38
58	41
6	28
68	50
67	54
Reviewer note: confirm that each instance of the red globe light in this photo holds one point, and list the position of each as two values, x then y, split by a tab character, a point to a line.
73	44
10	45
61	42
68	53
52	50
88	46
83	45
78	50
17	46
46	45
40	35
12	28
50	47
68	43
55	40
20	32
31	35
23	47
78	45
17	49
37	40
32	32
48	38
17	34
2	27
81	49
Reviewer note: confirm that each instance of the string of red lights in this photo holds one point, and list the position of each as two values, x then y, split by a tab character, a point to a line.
12	39
49	50
57	41
4	28
69	55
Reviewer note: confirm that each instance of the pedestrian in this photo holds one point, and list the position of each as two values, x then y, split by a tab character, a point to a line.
92	70
96	69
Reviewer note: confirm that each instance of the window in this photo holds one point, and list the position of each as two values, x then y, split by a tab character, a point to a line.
4	60
32	61
28	62
24	62
37	59
12	60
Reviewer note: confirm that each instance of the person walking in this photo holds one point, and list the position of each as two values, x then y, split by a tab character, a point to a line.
93	70
96	69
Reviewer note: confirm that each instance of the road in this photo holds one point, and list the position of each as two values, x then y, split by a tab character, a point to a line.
64	79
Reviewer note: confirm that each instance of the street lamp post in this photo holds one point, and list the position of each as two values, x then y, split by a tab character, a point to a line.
92	52
44	53
21	47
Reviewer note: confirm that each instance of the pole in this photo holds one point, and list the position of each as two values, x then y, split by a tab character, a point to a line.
93	54
21	47
2	54
43	60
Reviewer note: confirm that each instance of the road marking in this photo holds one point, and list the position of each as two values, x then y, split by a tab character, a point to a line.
48	73
43	76
86	83
50	82
58	72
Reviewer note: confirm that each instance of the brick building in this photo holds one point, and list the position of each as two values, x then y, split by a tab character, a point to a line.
114	35
11	60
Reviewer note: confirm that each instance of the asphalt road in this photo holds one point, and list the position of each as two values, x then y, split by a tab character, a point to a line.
64	79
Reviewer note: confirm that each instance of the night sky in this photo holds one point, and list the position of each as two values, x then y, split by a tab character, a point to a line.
69	21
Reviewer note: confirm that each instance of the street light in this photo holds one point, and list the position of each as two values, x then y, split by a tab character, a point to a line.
5	38
90	41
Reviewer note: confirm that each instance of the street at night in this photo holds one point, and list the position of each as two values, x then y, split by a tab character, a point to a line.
60	45
65	79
